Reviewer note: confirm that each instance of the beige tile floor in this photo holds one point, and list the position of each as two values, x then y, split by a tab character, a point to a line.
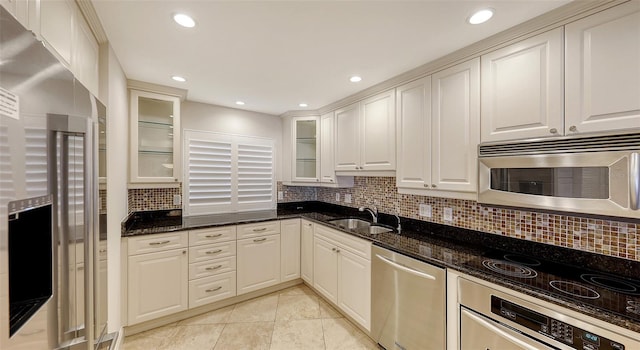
293	318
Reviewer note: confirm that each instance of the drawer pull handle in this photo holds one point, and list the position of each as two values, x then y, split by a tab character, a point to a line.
214	251
213	289
213	236
259	229
211	268
159	243
259	240
102	251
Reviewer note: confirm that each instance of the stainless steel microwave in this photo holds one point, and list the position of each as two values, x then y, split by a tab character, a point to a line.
591	175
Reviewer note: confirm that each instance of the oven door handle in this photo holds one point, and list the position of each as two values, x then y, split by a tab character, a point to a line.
634	180
501	331
405	269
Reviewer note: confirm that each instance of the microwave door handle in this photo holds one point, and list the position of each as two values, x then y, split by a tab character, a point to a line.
634	180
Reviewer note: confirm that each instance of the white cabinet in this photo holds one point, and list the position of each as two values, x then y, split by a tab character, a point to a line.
155	138
67	34
342	272
365	135
602	72
212	265
446	107
522	89
306	251
25	11
306	149
258	256
290	249
327	155
157	277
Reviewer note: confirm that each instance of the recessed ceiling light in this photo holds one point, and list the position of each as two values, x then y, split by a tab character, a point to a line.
179	78
303	105
240	103
355	79
184	20
480	16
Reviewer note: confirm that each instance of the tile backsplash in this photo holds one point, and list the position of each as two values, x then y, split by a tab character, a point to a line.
145	199
602	235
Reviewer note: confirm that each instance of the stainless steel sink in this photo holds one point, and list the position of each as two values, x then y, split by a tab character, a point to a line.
351	223
375	229
360	225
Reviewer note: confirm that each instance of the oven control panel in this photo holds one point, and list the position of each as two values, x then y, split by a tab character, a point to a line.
572	336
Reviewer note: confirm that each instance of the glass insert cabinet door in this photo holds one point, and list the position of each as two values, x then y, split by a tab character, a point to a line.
306	149
155	137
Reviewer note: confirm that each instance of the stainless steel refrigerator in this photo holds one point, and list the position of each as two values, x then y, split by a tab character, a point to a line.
52	274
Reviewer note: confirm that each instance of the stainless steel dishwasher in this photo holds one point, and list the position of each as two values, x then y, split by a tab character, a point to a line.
408	302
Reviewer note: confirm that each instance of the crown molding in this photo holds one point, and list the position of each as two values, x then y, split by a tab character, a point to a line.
90	15
548	21
159	89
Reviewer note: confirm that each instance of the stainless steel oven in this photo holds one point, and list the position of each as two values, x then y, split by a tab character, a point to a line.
592	175
494	319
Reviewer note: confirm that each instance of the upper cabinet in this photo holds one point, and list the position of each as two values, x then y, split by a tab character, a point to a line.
66	33
365	135
155	138
522	89
327	157
438	119
306	149
603	71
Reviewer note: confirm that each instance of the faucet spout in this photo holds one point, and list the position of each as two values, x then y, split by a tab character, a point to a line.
374	213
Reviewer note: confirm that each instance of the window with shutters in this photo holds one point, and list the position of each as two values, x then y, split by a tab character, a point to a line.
227	173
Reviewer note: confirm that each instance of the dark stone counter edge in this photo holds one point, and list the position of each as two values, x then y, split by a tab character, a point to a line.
460	243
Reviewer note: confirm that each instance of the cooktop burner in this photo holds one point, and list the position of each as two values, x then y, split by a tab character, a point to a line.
611	283
575	289
509	269
618	295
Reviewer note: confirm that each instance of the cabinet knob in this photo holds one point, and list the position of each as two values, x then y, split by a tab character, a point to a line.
433	185
333	249
553	130
175	180
337	250
573	128
425	185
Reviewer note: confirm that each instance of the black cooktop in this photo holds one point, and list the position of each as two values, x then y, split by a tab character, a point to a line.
598	289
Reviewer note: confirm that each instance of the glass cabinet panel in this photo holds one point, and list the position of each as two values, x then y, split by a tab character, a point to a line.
306	149
156	131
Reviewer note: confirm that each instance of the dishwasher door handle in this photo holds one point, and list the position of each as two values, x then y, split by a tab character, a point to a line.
405	269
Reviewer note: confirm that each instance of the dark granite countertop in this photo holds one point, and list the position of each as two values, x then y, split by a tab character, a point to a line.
441	245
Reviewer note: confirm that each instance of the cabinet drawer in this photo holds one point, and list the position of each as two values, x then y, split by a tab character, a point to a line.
209	289
212	251
212	235
259	229
354	244
157	243
212	267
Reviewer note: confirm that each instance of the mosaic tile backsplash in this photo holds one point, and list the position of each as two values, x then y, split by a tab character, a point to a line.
145	199
596	235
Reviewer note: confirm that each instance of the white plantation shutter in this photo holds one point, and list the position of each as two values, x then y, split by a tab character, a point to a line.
227	173
255	174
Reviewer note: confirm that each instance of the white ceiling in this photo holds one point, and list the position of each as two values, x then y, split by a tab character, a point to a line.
275	54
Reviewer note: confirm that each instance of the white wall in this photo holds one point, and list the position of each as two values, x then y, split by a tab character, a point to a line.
113	93
205	117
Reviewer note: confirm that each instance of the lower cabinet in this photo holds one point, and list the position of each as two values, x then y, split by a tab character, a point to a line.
209	289
157	284
306	251
289	249
258	259
342	272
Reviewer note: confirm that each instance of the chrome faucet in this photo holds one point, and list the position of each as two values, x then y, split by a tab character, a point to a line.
399	228
374	213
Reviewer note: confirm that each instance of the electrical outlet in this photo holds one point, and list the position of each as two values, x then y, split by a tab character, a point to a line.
280	195
337	197
448	214
425	210
177	199
347	198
